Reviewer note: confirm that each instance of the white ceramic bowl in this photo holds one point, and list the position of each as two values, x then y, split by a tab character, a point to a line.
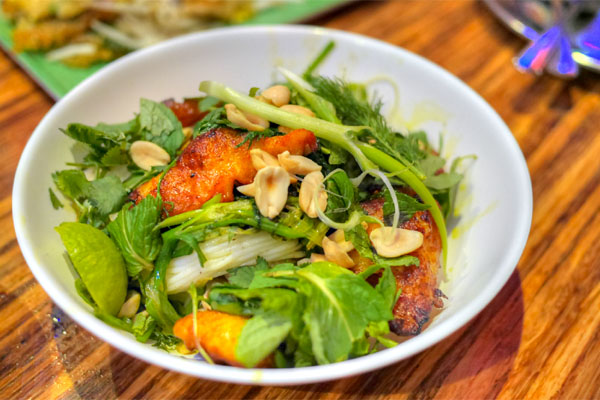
496	206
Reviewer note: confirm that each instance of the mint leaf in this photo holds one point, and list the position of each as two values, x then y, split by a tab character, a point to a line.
160	125
95	137
408	205
339	306
360	239
207	103
243	276
341	196
443	181
123	131
261	335
106	194
270	278
133	232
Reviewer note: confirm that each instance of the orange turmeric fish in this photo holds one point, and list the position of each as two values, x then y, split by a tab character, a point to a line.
217	333
213	163
418	283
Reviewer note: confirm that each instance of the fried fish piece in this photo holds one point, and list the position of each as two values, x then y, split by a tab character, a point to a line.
213	162
217	333
47	34
418	283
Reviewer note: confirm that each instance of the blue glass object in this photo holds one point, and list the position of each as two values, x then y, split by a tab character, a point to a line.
589	40
562	62
536	56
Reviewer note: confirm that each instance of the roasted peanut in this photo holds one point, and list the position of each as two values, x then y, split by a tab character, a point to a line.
245	120
297	164
277	95
340	238
131	305
336	254
262	159
271	190
298	110
394	242
247	190
312	184
147	154
315	257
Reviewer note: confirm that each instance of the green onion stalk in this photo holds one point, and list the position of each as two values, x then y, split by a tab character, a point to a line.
365	155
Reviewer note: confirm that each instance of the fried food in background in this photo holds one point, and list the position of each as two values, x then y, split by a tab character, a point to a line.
83	32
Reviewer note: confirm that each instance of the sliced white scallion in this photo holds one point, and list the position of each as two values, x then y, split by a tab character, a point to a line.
356	181
224	253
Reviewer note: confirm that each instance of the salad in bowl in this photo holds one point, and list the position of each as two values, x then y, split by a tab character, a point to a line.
290	226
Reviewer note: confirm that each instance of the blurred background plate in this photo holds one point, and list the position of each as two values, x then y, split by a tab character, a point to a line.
57	79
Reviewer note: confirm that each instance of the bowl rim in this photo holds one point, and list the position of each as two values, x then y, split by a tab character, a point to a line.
305	375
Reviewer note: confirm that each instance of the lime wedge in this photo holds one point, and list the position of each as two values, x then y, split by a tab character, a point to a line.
98	262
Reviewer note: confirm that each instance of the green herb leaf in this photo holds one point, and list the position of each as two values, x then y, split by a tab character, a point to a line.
387	286
56	204
164	341
408	205
443	181
154	288
207	103
133	232
71	182
353	108
261	335
319	59
281	275
341	196
106	194
115	156
379	330
323	108
360	239
99	139
143	326
339	307
160	125
243	276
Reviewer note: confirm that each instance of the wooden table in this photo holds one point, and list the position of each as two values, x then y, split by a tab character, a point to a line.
539	338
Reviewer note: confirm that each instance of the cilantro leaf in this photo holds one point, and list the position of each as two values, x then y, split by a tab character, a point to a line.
115	156
71	182
106	194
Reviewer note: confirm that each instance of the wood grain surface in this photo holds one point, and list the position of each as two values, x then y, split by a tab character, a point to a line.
538	339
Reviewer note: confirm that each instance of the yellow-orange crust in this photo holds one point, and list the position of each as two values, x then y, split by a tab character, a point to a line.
217	333
212	163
